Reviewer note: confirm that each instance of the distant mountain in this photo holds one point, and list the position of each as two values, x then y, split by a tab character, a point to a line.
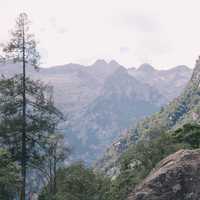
102	100
122	101
167	82
183	109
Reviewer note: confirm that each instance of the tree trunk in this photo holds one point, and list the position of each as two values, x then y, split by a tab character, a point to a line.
23	159
51	177
55	176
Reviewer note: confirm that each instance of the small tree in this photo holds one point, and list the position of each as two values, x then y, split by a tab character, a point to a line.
22	49
51	159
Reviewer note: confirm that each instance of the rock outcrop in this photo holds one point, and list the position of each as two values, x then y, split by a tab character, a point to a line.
177	177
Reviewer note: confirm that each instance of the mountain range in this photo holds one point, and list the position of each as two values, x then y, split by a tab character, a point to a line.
182	110
103	100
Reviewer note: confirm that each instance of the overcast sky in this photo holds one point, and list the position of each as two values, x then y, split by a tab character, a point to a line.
164	33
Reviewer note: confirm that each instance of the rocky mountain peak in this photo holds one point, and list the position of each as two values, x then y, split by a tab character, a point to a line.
114	63
146	68
100	62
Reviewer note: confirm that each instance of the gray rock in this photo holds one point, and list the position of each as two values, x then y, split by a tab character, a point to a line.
175	178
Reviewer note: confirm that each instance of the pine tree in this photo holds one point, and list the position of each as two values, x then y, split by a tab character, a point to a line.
42	118
22	49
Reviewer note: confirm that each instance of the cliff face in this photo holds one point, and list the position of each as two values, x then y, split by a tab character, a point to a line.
175	178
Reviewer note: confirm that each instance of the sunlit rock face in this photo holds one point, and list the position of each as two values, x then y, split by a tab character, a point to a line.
175	178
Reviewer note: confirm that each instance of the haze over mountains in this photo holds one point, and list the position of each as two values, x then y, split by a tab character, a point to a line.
102	100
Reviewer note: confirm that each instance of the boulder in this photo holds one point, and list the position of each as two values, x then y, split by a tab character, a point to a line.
177	177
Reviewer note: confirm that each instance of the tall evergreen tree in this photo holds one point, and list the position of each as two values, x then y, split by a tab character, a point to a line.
42	118
22	49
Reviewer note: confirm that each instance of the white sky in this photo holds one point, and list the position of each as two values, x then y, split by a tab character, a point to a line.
164	33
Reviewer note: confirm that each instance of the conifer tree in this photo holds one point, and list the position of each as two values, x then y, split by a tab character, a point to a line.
42	118
22	49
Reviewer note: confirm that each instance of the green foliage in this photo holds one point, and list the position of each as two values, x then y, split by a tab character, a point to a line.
77	182
22	49
22	45
42	116
55	153
188	134
9	176
139	160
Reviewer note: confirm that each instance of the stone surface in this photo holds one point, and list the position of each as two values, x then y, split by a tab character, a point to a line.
177	177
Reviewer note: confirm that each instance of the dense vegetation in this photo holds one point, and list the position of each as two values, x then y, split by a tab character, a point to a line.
42	119
77	182
9	176
137	162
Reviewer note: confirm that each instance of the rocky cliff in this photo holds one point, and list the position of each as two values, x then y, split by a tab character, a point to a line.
174	178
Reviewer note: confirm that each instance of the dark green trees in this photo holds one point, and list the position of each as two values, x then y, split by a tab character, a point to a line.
22	49
78	182
9	176
42	118
188	134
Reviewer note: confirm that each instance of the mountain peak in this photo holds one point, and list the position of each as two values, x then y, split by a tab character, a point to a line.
100	62
146	67
114	63
181	68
